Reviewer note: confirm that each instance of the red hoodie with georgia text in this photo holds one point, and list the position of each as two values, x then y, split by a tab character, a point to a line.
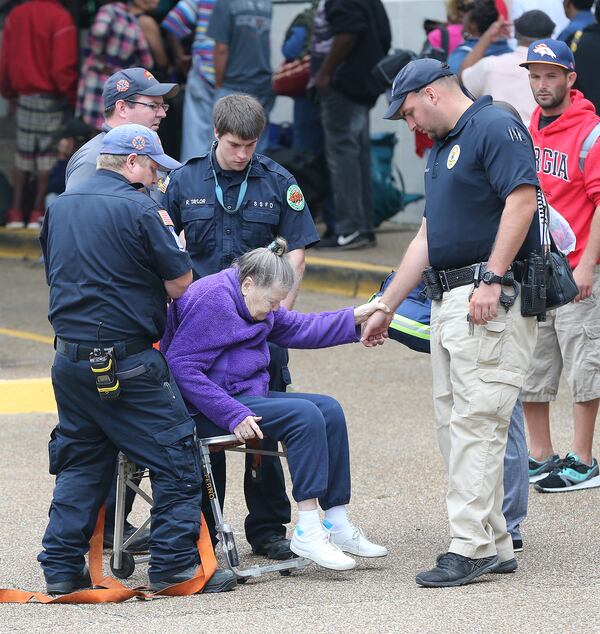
573	193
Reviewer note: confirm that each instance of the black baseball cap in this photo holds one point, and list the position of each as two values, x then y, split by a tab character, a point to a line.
534	24
135	81
414	76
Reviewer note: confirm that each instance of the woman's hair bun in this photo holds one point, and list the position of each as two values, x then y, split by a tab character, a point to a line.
279	246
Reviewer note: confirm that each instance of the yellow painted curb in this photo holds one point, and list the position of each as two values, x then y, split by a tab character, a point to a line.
346	264
27	396
20	253
24	334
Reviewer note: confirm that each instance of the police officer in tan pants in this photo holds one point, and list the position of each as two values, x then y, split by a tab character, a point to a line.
480	186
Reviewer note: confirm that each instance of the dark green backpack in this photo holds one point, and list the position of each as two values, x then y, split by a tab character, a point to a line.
389	195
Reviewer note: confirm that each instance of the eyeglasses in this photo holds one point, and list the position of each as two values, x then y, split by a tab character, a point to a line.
154	106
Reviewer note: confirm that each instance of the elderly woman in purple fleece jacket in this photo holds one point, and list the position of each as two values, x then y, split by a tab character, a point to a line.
216	346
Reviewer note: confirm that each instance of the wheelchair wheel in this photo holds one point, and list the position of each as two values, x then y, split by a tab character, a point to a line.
127	565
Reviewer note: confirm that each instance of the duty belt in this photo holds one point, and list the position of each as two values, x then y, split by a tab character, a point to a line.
453	278
133	346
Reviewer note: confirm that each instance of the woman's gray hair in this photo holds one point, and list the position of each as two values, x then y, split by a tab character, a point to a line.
267	266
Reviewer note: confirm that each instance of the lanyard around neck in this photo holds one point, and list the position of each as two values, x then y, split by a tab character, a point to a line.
219	191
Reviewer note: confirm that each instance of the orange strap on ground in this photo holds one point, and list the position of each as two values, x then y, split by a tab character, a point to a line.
109	590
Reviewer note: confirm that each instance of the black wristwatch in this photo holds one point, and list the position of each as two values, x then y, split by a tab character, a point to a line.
489	277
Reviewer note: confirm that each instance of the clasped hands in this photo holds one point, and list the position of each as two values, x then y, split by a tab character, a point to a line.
377	317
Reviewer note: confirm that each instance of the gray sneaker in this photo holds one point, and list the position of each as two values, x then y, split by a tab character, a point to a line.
453	569
504	567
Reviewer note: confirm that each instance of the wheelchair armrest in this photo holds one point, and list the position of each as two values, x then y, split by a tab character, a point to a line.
218	443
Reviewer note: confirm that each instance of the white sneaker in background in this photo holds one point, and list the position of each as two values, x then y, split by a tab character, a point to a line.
352	540
317	546
36	218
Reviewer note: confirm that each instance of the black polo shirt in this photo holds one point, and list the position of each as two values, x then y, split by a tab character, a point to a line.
369	22
272	206
587	54
469	175
107	248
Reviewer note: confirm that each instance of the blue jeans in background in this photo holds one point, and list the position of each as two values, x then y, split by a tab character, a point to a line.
197	131
516	473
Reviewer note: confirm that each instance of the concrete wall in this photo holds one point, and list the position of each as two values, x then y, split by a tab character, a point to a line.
406	18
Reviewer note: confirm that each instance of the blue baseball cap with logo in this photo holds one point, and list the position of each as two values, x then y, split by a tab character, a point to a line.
135	81
414	76
549	51
137	139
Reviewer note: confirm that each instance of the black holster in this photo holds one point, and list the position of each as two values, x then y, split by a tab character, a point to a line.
432	283
533	287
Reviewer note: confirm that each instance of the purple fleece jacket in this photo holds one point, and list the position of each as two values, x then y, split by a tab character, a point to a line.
216	350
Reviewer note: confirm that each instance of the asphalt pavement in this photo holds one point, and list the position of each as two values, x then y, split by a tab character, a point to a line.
398	496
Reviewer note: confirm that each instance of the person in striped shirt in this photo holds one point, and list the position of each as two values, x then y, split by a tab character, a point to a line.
185	18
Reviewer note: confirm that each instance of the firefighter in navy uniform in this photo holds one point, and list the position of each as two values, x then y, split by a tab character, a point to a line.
227	202
112	260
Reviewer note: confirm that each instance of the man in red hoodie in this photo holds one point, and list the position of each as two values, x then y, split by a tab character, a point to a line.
564	127
38	70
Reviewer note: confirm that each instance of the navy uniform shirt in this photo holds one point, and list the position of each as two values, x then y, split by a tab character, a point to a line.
469	175
273	206
107	250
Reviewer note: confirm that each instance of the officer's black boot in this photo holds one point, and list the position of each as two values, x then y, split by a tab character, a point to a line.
221	581
82	580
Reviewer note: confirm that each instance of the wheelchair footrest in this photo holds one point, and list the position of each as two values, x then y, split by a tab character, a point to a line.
257	570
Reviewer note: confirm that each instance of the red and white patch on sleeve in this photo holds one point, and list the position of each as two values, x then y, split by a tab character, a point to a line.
166	218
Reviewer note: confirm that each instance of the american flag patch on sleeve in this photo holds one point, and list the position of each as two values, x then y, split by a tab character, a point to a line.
165	218
163	184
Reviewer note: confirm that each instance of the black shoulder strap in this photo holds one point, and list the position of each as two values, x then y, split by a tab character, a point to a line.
445	39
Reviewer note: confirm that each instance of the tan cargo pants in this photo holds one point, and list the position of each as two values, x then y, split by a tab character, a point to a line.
477	377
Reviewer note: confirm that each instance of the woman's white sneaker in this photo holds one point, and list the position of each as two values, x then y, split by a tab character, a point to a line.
317	546
352	540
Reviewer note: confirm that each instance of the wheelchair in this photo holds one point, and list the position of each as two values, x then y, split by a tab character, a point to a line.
123	563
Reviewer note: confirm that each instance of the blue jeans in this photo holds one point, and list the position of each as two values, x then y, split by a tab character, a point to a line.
197	131
516	473
266	101
308	133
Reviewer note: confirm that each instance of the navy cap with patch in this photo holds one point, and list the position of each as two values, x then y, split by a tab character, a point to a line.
549	51
135	81
132	138
414	76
